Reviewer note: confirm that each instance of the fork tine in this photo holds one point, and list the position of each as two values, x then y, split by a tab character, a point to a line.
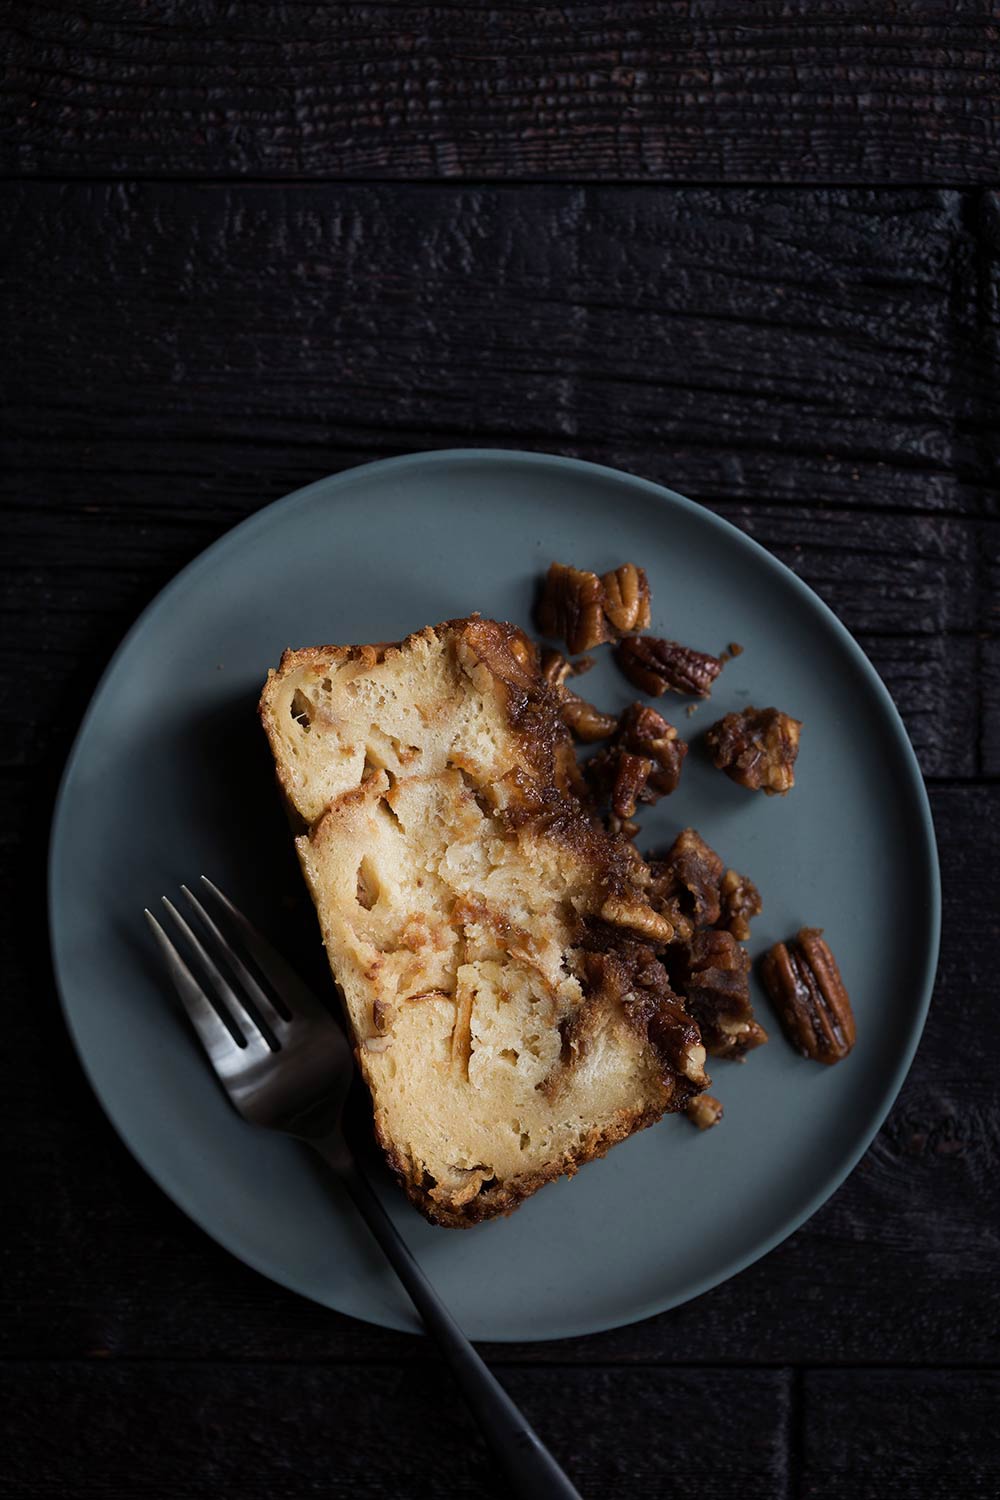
213	1033
294	993
246	1023
263	1005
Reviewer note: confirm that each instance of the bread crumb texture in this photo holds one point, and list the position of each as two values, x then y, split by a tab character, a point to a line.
464	892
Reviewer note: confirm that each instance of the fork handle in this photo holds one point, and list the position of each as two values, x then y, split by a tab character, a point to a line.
530	1469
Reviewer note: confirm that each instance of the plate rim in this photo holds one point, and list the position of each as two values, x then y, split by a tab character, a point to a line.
659	493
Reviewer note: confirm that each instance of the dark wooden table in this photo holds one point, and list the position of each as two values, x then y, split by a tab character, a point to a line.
749	250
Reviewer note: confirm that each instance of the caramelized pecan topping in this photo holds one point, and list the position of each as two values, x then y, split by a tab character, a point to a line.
714	976
636	917
740	901
652	1007
635	979
757	748
672	1033
686	884
626	598
654	665
642	763
804	983
623	777
583	610
583	720
645	732
556	669
571	608
704	1111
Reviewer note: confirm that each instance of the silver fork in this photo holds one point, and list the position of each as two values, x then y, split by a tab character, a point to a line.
286	1065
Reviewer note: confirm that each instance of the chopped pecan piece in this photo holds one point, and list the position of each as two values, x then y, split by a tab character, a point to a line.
556	669
685	884
643	731
654	665
584	721
804	983
623	777
628	826
583	610
382	1015
671	1032
740	901
642	764
674	1035
638	918
712	972
704	1111
757	748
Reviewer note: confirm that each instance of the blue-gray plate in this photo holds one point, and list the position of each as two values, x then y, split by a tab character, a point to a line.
169	779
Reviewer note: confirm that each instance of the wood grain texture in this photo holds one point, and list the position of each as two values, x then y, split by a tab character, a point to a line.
989	654
915	1435
750	346
644	90
282	1433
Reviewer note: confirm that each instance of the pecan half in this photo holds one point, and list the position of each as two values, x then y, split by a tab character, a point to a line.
712	972
757	748
808	993
626	598
704	1111
583	610
571	607
685	884
740	901
654	665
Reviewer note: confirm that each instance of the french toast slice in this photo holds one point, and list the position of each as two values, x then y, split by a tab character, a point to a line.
493	945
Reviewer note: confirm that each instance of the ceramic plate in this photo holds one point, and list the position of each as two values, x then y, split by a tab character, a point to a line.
169	778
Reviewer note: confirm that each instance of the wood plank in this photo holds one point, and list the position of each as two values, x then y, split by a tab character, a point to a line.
899	1267
641	89
281	1433
872	1433
747	346
989	684
989	654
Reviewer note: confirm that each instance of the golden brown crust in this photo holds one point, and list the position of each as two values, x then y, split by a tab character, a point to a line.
501	1199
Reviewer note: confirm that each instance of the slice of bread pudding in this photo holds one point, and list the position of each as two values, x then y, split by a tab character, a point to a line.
493	945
